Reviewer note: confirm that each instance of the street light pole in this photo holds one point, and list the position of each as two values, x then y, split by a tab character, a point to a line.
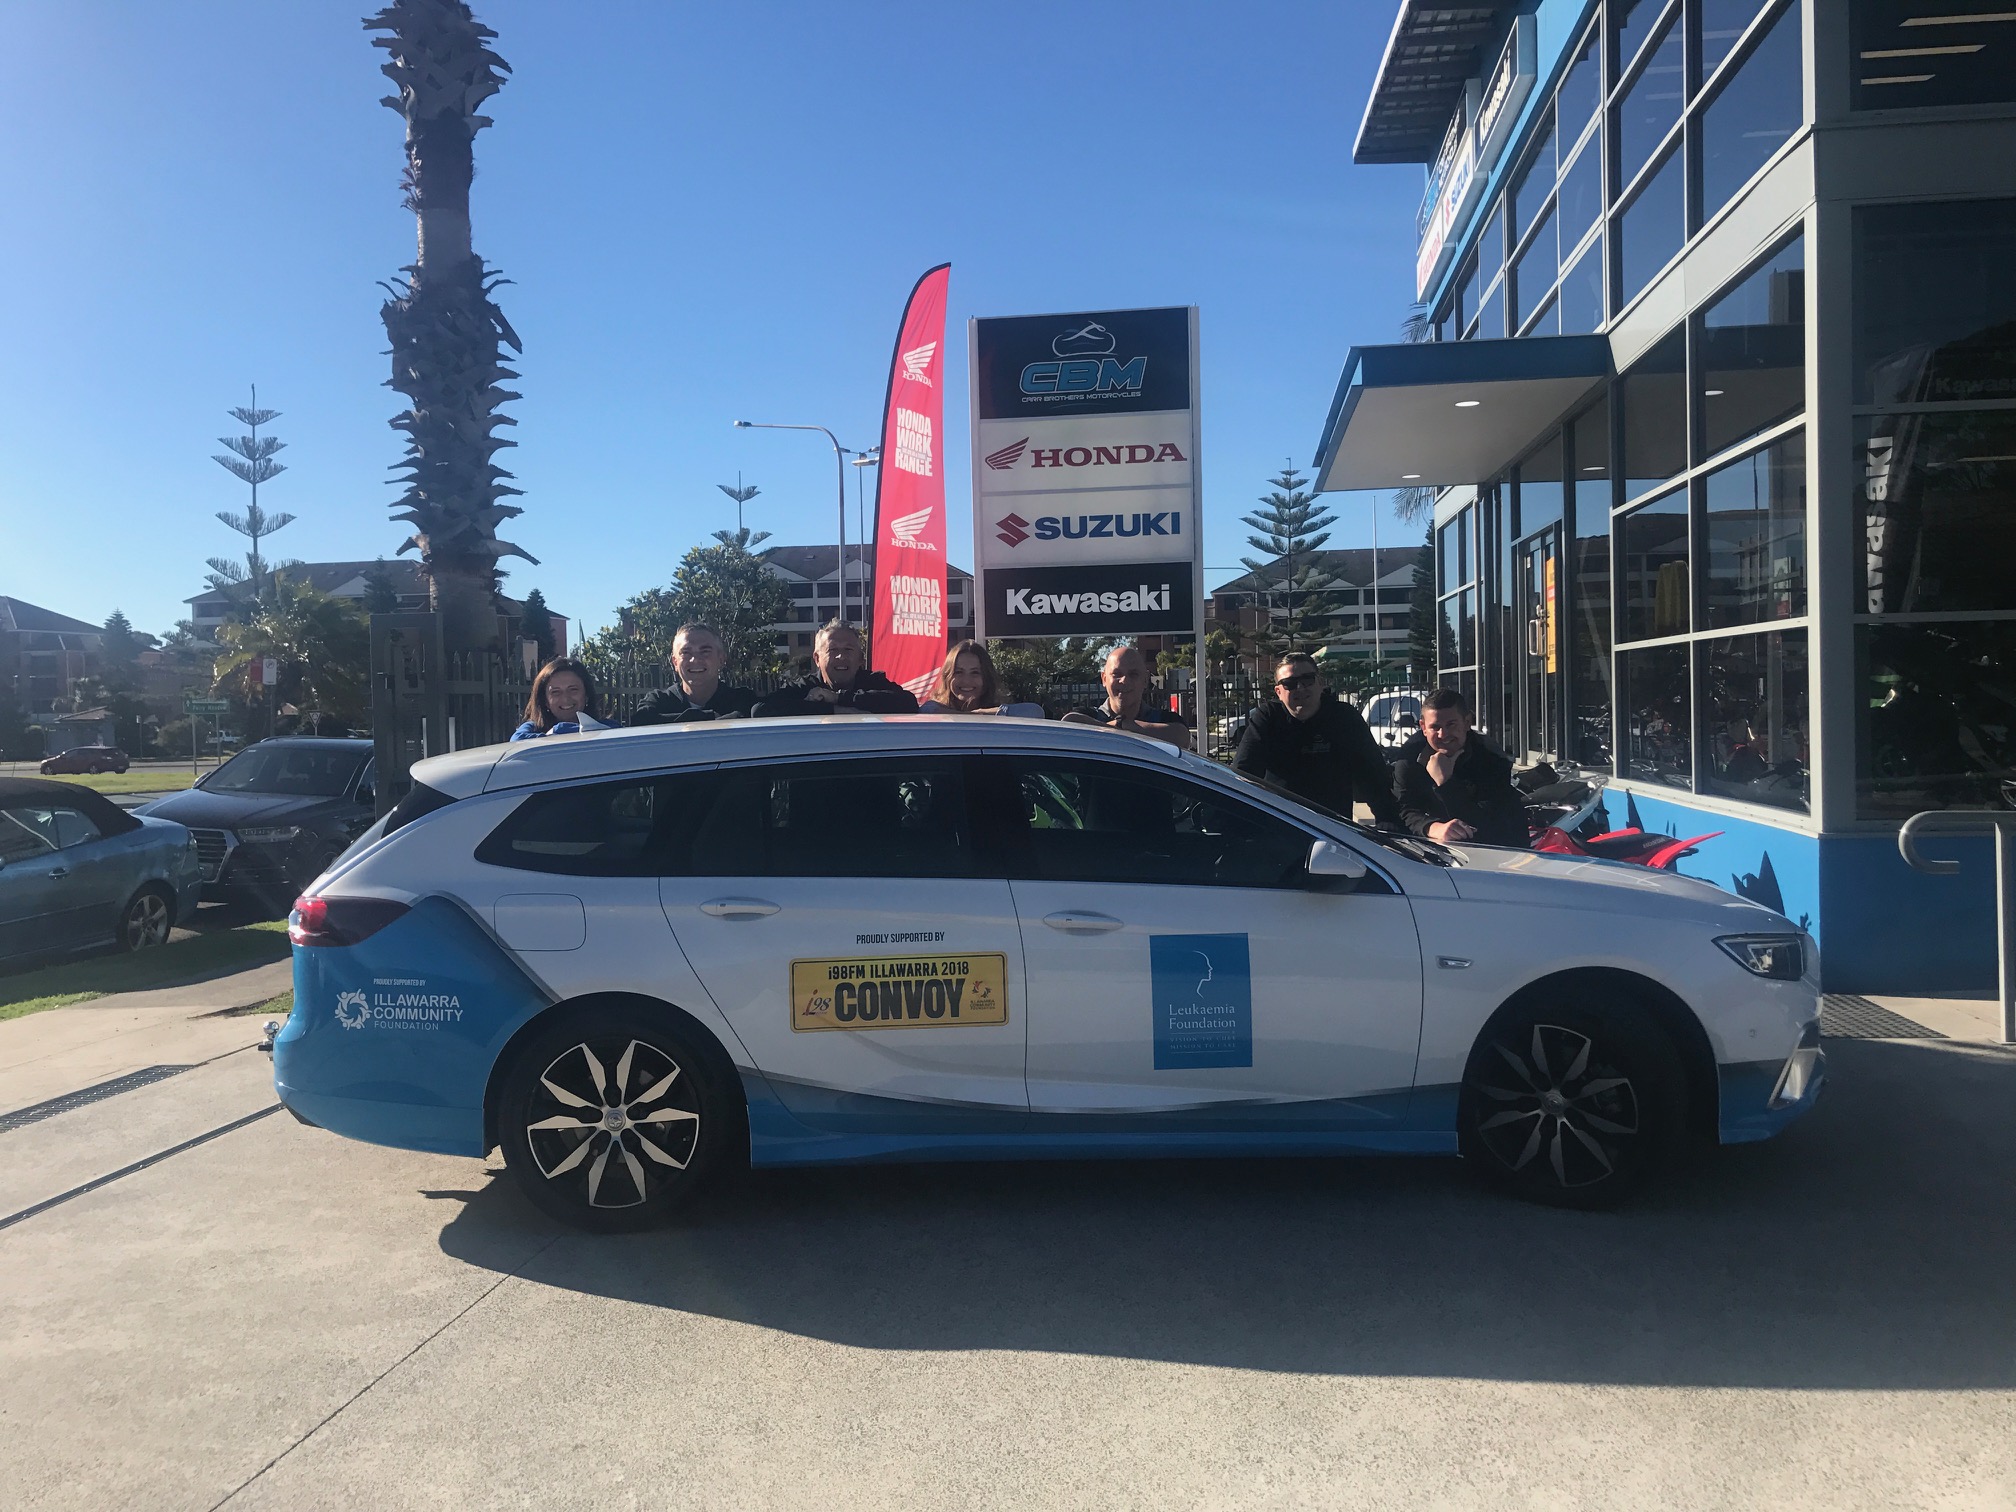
862	462
840	454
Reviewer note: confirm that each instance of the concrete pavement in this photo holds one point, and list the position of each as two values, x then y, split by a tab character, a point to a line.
278	1318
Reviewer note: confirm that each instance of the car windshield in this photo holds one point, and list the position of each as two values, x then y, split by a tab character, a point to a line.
1413	847
298	771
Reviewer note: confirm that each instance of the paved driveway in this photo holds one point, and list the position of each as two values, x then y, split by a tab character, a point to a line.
276	1318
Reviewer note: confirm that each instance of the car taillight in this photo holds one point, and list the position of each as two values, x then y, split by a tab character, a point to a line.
339	921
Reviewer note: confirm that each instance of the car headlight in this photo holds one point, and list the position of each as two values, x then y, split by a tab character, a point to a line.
278	834
1782	958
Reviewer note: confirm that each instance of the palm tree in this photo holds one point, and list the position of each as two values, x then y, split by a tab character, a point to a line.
321	643
447	334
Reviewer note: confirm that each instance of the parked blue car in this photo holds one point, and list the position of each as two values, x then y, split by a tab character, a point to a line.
77	871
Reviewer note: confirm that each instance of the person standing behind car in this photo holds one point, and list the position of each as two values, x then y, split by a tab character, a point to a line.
1453	787
1316	745
843	684
968	684
698	657
563	702
1125	678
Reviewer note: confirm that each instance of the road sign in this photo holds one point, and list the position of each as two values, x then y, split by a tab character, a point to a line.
205	706
269	670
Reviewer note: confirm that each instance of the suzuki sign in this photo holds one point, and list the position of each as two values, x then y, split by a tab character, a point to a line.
1085	477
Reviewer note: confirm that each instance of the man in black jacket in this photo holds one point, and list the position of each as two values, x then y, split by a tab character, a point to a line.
1313	743
1452	787
844	685
698	658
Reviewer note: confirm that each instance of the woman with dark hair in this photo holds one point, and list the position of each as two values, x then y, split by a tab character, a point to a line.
562	703
968	684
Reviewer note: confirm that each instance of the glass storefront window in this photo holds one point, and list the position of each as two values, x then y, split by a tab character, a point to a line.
1653	396
1533	274
1538	479
1582	293
1901	63
1755	537
1581	92
1633	21
1652	556
1453	542
1935	519
1466	296
1651	105
1536	182
1722	22
1466	627
1936	717
1935	305
1491	318
1548	322
1753	114
1755	734
1657	718
1751	353
1581	199
1652	229
1491	243
1589	591
1445	643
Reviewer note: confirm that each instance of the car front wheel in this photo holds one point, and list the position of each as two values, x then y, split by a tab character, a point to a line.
146	920
1572	1103
611	1119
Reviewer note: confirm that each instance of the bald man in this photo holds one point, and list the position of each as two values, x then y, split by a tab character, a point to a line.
1125	678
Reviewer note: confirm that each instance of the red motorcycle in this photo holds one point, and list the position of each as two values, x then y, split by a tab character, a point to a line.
1576	834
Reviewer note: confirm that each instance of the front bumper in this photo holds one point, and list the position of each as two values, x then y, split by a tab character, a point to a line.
1759	1098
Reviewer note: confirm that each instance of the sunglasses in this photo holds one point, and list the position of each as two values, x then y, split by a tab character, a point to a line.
1298	682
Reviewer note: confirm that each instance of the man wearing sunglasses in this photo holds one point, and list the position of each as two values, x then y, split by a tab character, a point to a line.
1316	745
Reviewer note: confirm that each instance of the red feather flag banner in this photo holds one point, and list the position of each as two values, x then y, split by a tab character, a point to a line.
908	644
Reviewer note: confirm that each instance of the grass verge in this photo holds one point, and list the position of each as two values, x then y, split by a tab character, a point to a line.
172	965
131	782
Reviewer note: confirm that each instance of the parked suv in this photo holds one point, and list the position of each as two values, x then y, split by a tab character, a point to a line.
272	818
88	759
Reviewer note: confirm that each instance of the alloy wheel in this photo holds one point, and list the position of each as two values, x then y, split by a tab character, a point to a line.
1557	1101
612	1121
146	922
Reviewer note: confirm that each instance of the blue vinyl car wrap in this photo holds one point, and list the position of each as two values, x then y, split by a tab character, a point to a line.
381	1049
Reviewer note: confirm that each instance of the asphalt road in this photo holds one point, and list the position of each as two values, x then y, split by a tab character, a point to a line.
278	1318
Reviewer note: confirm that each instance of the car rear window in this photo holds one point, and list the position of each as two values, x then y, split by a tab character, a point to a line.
420	799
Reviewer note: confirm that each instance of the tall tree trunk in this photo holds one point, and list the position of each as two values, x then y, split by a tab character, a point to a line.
447	334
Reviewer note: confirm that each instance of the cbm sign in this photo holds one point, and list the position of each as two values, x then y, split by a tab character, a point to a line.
1107	362
1084	376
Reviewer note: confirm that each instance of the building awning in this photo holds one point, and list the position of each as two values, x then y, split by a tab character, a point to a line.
1448	412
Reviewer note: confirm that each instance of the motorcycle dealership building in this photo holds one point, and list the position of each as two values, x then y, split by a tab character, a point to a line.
1718	388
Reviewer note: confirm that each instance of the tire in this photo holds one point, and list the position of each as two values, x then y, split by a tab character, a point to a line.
573	1135
319	860
145	920
1575	1100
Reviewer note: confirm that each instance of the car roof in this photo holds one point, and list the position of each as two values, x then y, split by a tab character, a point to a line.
567	758
111	819
339	742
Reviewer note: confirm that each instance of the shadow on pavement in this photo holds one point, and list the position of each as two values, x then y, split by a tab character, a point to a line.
1871	1247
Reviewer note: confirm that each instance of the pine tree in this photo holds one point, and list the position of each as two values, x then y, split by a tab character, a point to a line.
1421	616
535	623
381	594
251	462
1292	528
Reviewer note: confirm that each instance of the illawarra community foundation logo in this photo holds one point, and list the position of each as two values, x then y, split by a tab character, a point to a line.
917	363
353	1011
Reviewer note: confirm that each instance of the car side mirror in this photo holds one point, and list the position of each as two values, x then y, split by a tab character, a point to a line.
1328	859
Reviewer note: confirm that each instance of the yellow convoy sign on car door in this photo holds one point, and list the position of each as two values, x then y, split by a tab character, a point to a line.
899	992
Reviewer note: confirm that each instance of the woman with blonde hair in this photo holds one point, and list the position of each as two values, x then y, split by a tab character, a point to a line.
968	684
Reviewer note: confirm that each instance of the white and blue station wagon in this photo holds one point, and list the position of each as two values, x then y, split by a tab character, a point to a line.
633	958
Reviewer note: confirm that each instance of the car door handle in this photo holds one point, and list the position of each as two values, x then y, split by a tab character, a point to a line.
738	908
1073	921
57	871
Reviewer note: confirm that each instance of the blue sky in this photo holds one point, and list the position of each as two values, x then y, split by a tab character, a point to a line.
709	212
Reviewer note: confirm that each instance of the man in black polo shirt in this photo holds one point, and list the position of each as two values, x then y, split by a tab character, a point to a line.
1316	745
1125	678
698	658
1453	787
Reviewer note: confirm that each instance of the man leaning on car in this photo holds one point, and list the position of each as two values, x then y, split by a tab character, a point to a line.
1316	745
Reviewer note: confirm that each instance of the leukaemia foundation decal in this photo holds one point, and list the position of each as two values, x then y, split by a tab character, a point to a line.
1202	986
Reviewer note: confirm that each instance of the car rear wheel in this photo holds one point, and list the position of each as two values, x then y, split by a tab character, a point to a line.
146	920
1573	1102
611	1119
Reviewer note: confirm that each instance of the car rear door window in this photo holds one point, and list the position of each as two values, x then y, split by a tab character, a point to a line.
26	834
872	817
602	829
1095	821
